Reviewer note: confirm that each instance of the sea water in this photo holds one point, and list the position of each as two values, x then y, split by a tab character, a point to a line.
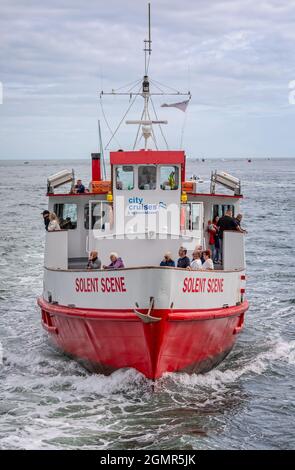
48	401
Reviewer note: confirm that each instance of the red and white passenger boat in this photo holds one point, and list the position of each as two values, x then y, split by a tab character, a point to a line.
150	318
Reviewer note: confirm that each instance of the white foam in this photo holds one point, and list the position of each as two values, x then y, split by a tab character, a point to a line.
280	351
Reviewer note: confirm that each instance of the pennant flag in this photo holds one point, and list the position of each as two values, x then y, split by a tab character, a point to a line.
182	105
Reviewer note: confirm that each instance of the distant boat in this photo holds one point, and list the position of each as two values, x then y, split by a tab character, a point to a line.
196	178
26	163
249	161
203	159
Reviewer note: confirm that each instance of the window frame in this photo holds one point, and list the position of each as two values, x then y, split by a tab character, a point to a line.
57	212
116	178
156	176
222	208
190	204
87	214
177	169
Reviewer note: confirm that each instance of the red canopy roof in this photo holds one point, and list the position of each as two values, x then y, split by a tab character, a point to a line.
147	156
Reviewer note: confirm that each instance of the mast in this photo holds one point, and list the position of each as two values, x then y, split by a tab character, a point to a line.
145	123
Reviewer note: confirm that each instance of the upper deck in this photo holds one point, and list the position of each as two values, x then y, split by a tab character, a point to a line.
145	210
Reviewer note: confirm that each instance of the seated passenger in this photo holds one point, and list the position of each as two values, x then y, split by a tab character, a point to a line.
183	260
208	261
53	222
116	262
79	187
200	250
93	261
167	261
196	264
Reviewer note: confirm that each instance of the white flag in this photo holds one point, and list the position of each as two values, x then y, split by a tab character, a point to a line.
182	105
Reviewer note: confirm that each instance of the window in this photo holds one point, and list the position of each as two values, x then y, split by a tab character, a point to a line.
124	177
191	216
67	215
147	177
220	209
169	177
101	215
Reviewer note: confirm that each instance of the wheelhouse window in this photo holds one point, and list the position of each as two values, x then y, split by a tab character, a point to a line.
124	177
101	217
220	209
67	215
147	177
169	177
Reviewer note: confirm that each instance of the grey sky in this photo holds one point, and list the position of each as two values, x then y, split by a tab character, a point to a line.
236	58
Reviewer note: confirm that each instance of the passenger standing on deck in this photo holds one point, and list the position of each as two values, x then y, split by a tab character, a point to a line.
216	255
183	260
196	264
53	222
208	261
212	230
93	261
226	222
116	262
238	221
167	261
46	218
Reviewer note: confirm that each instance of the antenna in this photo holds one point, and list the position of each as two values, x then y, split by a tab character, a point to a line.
145	123
148	42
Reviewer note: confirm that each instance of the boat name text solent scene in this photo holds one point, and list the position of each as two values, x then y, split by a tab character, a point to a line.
117	284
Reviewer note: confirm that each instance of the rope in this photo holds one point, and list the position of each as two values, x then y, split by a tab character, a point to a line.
182	130
127	85
166	86
159	124
153	134
106	121
119	125
152	82
138	129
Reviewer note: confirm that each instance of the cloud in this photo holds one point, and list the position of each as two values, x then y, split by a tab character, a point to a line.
236	58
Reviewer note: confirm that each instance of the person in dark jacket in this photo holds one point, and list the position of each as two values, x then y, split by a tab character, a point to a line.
226	222
183	260
79	187
167	261
46	219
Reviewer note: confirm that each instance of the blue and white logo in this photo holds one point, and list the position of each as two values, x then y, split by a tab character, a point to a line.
137	205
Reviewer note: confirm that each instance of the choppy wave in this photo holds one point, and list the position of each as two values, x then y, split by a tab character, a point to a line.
51	402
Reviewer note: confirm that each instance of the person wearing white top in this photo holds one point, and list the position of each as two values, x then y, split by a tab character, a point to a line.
208	264
53	222
196	264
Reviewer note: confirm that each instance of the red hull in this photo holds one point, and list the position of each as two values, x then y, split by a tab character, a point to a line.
106	340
